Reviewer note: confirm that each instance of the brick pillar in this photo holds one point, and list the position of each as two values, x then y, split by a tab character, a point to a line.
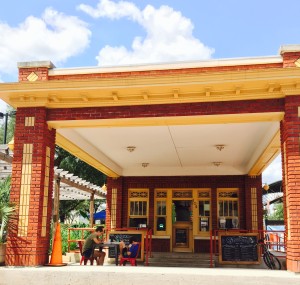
114	203
290	151
34	70
253	203
31	188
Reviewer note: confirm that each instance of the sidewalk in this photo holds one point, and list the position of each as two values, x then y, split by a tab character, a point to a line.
112	275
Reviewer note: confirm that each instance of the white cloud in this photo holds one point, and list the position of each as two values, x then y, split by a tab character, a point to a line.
55	36
169	35
273	172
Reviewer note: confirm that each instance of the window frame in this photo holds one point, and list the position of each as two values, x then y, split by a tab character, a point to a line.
166	216
228	199
138	199
197	217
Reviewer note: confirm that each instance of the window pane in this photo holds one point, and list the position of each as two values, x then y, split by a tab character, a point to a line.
225	208
201	208
144	212
163	208
135	222
235	208
161	224
230	212
203	224
221	209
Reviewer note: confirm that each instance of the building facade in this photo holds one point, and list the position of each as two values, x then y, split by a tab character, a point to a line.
183	146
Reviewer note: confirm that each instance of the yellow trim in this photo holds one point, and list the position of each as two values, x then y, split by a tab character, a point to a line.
81	154
237	199
142	199
163	89
169	121
272	150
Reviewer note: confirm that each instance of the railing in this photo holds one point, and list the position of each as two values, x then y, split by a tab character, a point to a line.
82	237
148	246
276	240
148	238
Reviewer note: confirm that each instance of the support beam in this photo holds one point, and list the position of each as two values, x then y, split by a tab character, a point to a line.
92	209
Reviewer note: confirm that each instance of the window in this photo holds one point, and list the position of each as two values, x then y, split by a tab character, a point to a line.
228	208
161	211
138	207
203	204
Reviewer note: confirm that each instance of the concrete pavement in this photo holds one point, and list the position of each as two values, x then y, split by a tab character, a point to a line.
112	275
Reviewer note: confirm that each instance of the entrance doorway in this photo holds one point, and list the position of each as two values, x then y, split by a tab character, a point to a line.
182	225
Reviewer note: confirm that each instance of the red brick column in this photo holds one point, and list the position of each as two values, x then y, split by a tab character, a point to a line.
290	151
114	203
31	189
253	203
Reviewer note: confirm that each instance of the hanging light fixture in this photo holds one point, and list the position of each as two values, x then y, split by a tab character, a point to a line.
131	148
217	163
145	164
266	187
219	146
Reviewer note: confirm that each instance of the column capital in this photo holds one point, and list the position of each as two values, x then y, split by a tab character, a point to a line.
34	70
290	55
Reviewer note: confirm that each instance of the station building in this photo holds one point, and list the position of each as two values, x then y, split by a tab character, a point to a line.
183	146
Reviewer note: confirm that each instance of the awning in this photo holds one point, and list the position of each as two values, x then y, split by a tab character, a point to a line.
100	215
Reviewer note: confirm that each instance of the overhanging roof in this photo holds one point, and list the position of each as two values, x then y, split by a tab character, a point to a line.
181	145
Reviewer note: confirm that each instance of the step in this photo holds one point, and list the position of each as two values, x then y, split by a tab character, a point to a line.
180	259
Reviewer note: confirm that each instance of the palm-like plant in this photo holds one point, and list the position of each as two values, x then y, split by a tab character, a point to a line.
7	209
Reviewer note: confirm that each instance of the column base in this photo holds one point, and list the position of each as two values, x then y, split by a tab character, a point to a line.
293	265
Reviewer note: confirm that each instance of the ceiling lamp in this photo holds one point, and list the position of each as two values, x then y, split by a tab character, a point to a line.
145	164
131	148
219	146
217	163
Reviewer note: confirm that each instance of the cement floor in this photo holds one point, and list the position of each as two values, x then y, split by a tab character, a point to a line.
113	275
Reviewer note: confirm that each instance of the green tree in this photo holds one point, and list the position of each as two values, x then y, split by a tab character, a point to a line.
10	125
71	163
7	209
278	212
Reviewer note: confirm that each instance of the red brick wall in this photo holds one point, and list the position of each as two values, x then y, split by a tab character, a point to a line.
165	72
41	72
33	249
289	59
253	182
114	183
290	135
242	182
172	110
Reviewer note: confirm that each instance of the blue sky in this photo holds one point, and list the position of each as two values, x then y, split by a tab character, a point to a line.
94	32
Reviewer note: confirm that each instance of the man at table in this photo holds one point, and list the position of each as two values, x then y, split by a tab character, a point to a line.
130	250
90	243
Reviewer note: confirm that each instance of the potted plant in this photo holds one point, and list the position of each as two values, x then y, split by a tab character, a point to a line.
7	210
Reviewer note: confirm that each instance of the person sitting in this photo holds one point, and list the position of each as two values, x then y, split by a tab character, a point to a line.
130	250
90	243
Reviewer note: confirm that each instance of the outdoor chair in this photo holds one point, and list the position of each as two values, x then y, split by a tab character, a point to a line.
83	259
132	260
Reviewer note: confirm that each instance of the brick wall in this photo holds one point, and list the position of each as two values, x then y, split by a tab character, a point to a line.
289	59
172	110
240	181
31	249
290	149
41	72
165	72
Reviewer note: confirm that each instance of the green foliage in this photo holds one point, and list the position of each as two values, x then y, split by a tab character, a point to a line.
7	209
69	162
73	235
278	212
10	126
